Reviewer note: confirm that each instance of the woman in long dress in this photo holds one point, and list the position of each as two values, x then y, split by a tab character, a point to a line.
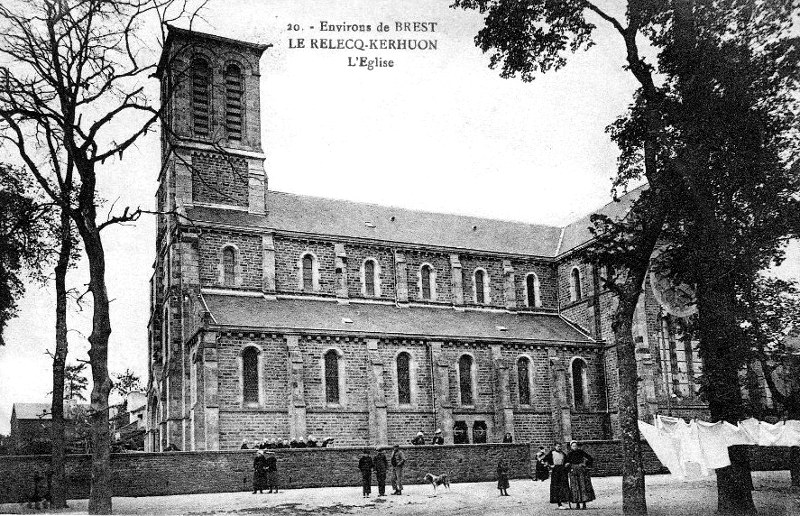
542	472
580	480
559	483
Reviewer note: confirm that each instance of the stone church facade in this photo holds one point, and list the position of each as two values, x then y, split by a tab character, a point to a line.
276	315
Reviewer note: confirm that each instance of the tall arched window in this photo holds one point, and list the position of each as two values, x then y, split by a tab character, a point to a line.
250	376
579	393
575	293
480	286
532	290
308	272
524	380
201	97
465	379
228	267
404	378
233	102
369	278
426	275
332	377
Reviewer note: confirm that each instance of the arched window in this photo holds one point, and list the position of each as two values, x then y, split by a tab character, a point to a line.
233	102
427	286
404	378
465	379
228	267
307	270
579	393
575	293
371	280
201	97
532	290
524	380
332	377
250	376
481	287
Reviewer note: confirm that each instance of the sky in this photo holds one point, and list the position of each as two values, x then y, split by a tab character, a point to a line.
438	131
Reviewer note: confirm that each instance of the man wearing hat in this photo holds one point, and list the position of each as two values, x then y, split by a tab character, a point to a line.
272	470
437	437
365	465
259	472
419	440
397	460
381	465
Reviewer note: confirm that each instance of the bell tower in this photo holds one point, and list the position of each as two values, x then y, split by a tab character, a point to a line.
211	144
211	161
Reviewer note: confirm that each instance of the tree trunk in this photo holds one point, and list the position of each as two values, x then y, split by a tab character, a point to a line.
58	494
634	502
720	345
100	492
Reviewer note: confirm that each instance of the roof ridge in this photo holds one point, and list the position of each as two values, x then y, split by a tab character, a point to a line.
390	206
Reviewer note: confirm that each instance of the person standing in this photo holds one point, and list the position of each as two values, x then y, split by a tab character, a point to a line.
559	483
365	465
541	466
502	477
381	465
398	460
259	472
580	481
272	471
437	437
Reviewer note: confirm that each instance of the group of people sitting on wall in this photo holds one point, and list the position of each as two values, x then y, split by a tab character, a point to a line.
275	443
459	436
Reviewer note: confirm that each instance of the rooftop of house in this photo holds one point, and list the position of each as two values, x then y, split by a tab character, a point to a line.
312	216
40	411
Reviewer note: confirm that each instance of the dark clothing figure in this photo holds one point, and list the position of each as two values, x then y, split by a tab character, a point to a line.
311	443
508	438
381	465
272	472
559	482
244	446
542	472
438	439
172	447
398	460
365	465
502	477
418	440
259	473
580	481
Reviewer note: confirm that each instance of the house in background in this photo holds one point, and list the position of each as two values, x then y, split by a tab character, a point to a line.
31	425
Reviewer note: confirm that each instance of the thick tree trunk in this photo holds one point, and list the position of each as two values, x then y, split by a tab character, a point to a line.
100	492
634	502
720	345
58	494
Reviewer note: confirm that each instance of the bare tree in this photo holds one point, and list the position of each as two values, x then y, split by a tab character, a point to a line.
72	98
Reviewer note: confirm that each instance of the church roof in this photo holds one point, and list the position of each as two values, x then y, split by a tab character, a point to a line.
330	317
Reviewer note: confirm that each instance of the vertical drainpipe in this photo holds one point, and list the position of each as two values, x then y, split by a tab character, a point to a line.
433	383
598	335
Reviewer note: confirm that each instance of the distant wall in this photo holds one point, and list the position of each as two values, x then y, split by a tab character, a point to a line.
154	474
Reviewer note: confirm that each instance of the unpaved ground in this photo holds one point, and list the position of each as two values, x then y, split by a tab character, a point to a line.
666	496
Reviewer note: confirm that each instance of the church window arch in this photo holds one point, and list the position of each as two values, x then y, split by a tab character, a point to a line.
234	91
575	290
201	97
533	297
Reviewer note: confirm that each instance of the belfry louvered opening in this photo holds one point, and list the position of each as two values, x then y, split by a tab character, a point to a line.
233	102
201	97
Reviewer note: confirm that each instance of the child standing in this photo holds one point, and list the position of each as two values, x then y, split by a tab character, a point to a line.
502	477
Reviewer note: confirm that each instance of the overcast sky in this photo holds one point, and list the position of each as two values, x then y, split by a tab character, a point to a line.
439	131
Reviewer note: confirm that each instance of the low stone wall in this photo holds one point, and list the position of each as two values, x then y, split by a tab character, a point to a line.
154	474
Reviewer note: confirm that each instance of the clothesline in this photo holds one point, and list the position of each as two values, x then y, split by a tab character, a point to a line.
695	448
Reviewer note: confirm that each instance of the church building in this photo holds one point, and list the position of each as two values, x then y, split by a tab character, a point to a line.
278	315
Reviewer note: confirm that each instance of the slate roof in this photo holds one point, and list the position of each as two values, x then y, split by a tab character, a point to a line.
40	410
321	316
334	217
577	233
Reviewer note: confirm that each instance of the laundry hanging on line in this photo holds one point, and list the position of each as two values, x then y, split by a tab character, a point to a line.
695	448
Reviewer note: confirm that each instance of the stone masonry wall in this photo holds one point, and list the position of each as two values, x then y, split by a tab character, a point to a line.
159	474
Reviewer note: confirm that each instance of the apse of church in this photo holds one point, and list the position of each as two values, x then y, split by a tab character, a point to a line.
283	316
